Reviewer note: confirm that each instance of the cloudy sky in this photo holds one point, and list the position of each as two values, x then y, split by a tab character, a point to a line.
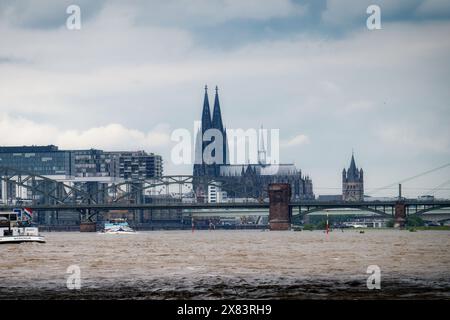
135	72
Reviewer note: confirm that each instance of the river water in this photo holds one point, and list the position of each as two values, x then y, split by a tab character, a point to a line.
230	264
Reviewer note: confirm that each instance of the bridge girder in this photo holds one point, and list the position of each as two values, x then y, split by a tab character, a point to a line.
321	208
23	179
77	194
430	208
63	194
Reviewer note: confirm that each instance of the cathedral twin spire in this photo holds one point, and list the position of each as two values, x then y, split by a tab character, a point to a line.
216	121
206	114
217	114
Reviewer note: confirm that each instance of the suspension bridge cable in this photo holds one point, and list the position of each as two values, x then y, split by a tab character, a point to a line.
439	187
409	178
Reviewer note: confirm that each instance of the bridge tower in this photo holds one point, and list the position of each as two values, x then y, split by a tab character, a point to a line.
400	214
279	210
399	210
353	183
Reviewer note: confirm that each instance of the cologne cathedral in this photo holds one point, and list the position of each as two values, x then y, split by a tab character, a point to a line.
249	180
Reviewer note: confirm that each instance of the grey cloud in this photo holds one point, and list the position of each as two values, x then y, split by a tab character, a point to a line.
203	13
339	91
13	60
437	9
352	13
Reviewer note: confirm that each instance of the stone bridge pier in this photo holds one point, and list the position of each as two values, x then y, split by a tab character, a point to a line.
400	214
279	210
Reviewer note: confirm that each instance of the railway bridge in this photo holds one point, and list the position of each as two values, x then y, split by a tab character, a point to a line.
94	196
280	208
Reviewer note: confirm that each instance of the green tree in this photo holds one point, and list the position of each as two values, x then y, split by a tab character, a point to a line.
390	223
414	221
321	225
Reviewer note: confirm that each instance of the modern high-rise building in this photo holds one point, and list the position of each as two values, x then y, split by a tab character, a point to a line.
91	163
249	180
353	183
135	164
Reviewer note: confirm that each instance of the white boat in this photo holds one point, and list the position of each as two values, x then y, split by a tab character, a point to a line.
117	226
15	230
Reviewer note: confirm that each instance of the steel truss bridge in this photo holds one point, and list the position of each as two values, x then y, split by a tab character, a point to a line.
93	190
91	196
383	209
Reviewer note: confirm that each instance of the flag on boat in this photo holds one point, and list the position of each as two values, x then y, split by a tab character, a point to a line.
28	213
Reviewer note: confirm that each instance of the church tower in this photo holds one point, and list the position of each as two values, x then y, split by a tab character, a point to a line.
201	168
353	183
218	124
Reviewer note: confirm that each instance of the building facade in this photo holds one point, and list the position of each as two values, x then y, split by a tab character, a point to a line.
91	163
239	180
353	183
135	165
50	161
216	194
41	160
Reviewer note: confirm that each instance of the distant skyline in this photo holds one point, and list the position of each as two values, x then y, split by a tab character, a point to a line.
136	71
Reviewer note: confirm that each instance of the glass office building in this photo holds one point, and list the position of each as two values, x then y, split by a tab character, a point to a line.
41	160
49	160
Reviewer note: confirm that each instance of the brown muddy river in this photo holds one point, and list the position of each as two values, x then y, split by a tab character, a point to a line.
230	264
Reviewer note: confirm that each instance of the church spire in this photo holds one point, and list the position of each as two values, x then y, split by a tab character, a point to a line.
352	170
217	115
352	182
206	113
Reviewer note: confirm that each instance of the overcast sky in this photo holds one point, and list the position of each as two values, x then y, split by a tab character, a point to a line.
136	71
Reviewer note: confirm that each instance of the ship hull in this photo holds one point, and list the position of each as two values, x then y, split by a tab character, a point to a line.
21	239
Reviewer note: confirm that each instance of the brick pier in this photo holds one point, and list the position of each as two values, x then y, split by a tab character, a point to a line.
279	211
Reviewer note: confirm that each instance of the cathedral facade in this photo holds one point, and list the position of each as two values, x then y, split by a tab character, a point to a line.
353	183
249	180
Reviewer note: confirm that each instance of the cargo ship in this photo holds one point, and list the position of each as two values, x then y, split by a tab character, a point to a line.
16	229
